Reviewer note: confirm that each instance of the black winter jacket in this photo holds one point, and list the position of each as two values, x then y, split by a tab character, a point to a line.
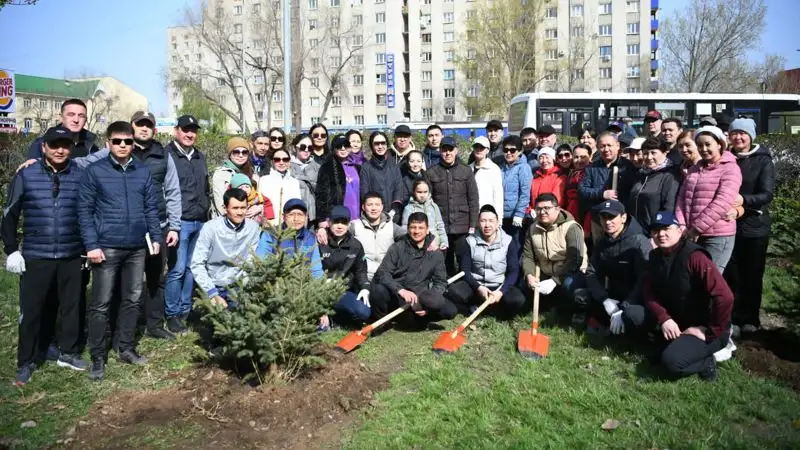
85	144
652	192
408	182
331	186
193	178
623	262
598	179
344	258
407	266
454	190
383	176
758	185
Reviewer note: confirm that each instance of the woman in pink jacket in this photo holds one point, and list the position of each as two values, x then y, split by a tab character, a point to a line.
710	188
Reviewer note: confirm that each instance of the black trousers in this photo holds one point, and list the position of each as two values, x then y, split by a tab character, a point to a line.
383	300
126	266
688	355
152	299
745	275
452	257
514	232
462	294
64	276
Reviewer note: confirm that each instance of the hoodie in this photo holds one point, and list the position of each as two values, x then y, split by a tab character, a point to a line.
221	249
412	267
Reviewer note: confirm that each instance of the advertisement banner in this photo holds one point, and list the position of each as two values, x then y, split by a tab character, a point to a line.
390	80
8	103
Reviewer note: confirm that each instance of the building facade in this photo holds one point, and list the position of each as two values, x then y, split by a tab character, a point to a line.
395	60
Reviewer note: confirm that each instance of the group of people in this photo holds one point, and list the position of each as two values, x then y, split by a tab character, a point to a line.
630	237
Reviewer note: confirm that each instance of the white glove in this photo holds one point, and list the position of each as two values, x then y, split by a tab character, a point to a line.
15	263
363	296
617	325
517	222
611	306
547	286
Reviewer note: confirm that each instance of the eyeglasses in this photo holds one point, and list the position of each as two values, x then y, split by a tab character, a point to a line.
303	148
56	185
378	142
510	150
564	155
543	209
281	159
118	141
240	151
319	135
277	139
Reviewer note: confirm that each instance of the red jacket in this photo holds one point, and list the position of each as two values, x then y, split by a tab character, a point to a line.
573	200
553	180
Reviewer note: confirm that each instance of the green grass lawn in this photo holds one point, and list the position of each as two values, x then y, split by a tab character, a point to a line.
485	396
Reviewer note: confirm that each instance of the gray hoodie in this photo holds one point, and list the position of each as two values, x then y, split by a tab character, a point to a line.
220	251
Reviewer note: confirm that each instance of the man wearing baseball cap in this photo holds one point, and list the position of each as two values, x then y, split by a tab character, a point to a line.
402	143
45	196
688	299
652	123
494	132
546	135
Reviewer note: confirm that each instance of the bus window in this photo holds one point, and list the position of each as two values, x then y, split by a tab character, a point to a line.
553	118
674	110
517	117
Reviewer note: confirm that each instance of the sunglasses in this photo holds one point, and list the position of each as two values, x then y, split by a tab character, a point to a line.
240	151
378	142
118	141
565	155
277	139
319	135
510	150
303	148
56	185
286	159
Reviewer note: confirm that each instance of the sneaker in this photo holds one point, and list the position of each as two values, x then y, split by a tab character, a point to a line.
726	353
749	329
131	357
709	373
736	332
98	369
53	353
72	361
176	325
159	333
24	375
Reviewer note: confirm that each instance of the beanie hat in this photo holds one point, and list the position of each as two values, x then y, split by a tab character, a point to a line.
240	179
713	131
744	124
237	142
547	151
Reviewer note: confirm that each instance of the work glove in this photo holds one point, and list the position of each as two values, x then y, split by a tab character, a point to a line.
517	222
611	306
547	286
15	263
617	325
363	296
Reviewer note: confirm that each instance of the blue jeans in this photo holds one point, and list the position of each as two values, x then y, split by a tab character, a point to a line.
349	308
180	282
720	248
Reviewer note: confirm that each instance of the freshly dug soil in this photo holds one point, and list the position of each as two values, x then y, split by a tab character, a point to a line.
772	353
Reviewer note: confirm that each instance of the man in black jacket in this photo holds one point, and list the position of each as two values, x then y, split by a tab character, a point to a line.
73	119
616	269
454	190
193	179
411	274
343	257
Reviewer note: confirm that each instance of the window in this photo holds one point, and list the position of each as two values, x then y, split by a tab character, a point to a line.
605	8
380	38
358	100
605	30
605	72
449	74
358	2
358	80
380	99
314	101
358	60
632	6
237	28
380	17
337	120
174	45
315	119
551	75
380	58
312	24
426	38
427	113
471	14
449	55
449	36
381	119
334	22
314	82
633	28
576	32
450	110
334	3
258	79
26	103
277	114
551	55
577	74
551	33
336	61
29	122
358	41
448	17
576	11
425	19
315	63
277	96
634	90
43	104
237	10
632	72
472	53
359	120
551	13
313	43
257	8
633	49
358	20
427	75
43	123
380	78
427	56
260	115
473	91
312	4
449	93
605	52
427	94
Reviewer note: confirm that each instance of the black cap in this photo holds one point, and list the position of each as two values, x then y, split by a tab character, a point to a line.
545	130
339	142
494	125
448	141
56	134
402	129
625	140
339	213
488	208
187	121
612	207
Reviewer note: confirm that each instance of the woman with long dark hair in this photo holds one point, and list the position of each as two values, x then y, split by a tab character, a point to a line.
581	157
306	170
411	171
319	141
380	174
356	147
338	184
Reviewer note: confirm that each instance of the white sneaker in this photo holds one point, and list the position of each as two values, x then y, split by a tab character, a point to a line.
726	353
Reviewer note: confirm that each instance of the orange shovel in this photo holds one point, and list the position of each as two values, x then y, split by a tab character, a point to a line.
451	341
531	344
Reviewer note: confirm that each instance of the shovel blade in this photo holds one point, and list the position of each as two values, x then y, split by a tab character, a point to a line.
446	343
533	346
351	341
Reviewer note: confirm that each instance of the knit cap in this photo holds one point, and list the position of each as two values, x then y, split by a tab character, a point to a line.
240	179
237	142
744	124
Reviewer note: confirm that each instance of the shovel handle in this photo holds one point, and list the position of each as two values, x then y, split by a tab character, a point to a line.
455	277
472	317
535	324
384	319
614	178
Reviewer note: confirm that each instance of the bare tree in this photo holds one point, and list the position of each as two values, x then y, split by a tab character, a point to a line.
501	56
706	44
581	49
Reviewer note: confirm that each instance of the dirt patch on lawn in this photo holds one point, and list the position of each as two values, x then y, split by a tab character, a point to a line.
772	353
220	412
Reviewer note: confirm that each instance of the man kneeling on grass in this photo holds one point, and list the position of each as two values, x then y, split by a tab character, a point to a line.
689	300
410	274
222	246
491	268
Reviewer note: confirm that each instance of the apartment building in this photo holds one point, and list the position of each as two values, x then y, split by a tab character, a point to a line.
398	57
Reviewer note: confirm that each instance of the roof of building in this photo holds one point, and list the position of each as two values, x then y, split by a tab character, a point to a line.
54	87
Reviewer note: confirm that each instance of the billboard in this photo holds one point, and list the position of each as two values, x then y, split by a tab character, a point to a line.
7	91
390	96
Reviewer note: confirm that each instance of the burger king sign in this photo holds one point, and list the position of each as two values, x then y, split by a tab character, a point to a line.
7	103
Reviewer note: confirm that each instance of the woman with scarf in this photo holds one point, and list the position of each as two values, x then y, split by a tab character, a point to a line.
305	170
238	162
356	147
411	171
657	185
280	186
380	174
339	183
319	139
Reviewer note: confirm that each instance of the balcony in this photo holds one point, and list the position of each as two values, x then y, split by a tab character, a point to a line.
653	5
653	85
654	44
654	64
653	25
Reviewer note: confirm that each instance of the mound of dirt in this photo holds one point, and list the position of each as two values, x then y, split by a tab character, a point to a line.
308	413
772	353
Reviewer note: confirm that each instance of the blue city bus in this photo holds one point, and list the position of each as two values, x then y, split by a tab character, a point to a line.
570	113
466	130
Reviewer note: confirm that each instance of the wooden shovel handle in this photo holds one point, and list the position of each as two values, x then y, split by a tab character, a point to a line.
389	316
472	316
536	301
614	178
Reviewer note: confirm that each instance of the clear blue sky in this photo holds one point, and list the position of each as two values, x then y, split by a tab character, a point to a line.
128	39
